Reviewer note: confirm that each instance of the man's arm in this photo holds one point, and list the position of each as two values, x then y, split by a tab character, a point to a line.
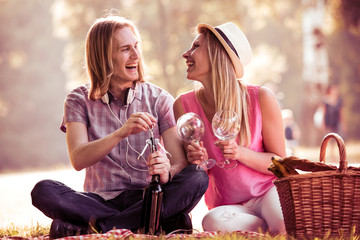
84	153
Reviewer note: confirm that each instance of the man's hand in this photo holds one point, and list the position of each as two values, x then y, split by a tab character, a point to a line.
158	163
137	122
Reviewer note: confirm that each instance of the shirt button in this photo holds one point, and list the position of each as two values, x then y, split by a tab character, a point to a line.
122	147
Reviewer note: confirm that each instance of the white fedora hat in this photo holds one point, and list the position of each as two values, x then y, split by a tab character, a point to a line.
234	42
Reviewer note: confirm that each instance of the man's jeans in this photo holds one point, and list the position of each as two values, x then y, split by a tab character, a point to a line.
58	201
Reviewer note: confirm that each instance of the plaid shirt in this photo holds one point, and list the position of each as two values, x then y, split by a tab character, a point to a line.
119	170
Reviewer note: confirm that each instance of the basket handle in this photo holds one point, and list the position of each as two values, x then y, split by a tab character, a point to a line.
341	146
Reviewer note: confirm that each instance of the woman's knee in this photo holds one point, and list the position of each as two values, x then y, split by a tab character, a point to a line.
272	212
232	218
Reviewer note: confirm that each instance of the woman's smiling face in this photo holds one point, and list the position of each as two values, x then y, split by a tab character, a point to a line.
197	60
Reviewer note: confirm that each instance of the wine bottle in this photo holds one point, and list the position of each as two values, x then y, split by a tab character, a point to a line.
152	199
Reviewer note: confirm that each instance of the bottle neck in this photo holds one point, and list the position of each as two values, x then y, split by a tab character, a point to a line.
155	178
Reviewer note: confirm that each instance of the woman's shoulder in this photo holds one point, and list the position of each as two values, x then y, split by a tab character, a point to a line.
186	96
253	89
259	90
268	101
253	92
265	93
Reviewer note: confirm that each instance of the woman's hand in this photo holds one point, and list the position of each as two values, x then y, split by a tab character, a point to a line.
229	148
137	122
158	163
196	153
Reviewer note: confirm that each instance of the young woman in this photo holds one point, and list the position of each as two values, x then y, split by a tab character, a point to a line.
244	197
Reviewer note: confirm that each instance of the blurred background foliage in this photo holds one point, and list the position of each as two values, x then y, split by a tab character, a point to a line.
42	59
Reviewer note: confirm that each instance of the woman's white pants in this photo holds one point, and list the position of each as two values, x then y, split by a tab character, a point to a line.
258	214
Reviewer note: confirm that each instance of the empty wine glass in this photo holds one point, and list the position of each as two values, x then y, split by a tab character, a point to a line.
191	128
226	125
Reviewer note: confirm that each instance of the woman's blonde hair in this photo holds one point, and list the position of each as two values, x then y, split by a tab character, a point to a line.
229	92
98	53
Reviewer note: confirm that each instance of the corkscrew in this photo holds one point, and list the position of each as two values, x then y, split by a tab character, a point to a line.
153	142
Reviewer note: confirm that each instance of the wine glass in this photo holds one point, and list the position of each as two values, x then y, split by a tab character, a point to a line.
191	128
226	125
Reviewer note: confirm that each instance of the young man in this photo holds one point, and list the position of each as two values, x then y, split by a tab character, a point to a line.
107	123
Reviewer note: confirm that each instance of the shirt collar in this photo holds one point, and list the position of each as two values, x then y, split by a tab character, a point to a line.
138	94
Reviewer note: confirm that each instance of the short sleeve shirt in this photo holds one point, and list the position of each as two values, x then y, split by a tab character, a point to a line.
121	169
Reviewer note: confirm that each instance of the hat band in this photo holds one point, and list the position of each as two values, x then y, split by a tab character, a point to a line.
227	41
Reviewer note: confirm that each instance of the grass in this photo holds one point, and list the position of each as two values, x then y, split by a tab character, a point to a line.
25	232
39	231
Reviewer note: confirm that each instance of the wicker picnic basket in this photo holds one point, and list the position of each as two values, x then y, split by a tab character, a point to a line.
323	203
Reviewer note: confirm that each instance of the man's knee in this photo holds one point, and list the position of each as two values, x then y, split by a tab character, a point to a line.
42	190
197	179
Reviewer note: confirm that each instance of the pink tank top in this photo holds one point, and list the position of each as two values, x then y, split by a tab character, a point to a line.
240	184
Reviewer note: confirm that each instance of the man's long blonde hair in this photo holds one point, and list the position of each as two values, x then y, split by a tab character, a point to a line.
229	92
99	53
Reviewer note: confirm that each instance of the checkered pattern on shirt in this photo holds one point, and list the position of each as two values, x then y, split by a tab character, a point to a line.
115	173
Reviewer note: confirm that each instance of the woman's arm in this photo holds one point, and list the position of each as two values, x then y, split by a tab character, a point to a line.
273	137
272	123
174	146
178	109
195	153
